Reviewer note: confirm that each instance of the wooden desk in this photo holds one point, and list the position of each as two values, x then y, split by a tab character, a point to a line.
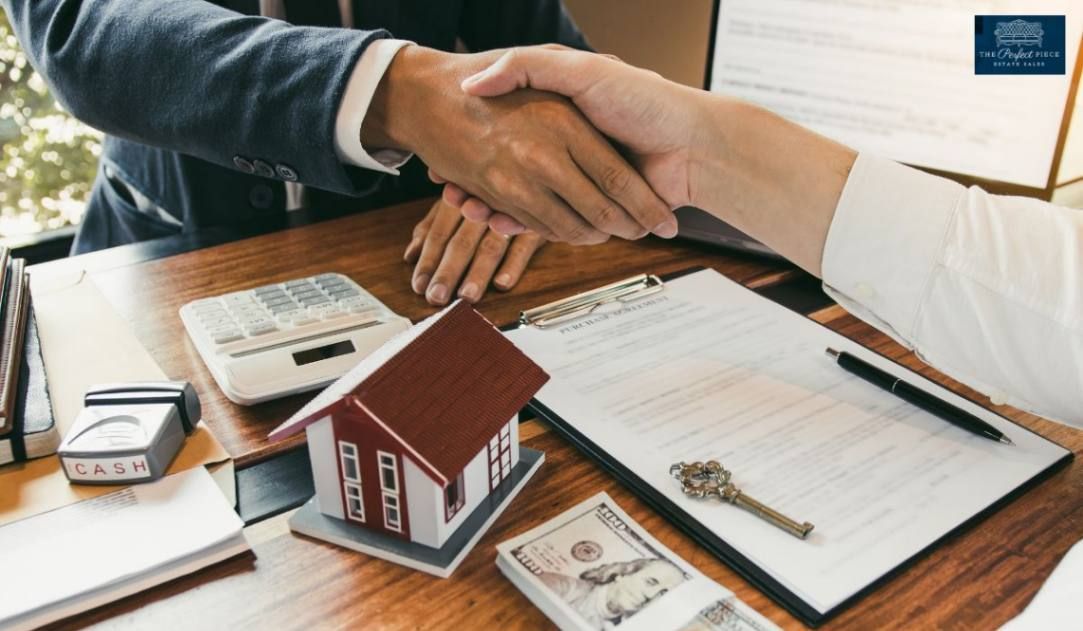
978	580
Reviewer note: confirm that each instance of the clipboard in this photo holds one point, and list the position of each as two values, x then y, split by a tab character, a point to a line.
638	287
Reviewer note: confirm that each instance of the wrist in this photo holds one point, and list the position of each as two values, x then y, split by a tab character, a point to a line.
397	109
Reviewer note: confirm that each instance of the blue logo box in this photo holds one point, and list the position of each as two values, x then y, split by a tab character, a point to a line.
1019	44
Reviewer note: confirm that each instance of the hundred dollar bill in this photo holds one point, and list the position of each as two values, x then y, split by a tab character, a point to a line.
593	567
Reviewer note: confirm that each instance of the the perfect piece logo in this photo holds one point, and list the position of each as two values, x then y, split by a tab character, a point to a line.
1019	44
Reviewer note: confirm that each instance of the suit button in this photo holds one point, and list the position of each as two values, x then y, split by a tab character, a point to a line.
243	165
261	196
263	169
286	172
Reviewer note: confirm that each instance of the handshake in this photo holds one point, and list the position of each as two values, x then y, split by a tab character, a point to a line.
545	142
556	144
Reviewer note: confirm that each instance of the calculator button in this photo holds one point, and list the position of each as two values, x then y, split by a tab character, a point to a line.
212	314
261	328
332	313
227	336
283	307
303	287
287	317
317	311
233	300
272	296
303	319
351	301
324	277
344	292
364	309
297	283
218	322
266	289
277	300
205	306
315	300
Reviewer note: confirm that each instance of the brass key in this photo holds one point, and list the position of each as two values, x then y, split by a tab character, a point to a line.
711	479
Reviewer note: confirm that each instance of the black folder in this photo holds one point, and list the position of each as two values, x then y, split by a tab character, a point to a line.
718	546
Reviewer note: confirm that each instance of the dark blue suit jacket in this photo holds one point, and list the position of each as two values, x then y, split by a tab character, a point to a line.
193	93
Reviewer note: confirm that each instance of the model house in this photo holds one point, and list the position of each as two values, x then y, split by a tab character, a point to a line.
419	436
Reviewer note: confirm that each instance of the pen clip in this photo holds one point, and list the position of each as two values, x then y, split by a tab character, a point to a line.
586	303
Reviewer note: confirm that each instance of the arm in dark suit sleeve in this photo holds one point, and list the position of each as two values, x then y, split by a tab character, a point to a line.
192	77
489	24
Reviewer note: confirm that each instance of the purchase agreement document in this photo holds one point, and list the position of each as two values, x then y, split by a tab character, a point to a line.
710	370
896	78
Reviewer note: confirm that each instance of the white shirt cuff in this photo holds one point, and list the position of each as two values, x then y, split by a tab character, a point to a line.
360	89
885	242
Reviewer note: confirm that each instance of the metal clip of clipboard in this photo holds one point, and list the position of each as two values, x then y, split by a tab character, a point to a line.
588	302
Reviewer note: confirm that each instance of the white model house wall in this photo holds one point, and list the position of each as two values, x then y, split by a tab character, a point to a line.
324	455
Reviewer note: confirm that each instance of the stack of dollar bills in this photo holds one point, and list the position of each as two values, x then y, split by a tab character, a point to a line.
594	568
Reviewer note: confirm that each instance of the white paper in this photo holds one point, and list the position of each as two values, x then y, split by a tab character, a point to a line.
63	557
896	78
710	370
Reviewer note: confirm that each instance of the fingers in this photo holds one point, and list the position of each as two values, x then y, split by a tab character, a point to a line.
505	224
457	255
421	230
592	199
475	210
623	185
487	258
444	223
567	72
516	259
453	195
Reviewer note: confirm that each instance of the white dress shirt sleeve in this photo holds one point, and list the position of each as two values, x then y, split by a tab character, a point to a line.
986	288
360	89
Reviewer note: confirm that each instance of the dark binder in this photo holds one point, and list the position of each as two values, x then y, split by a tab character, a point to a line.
715	543
34	432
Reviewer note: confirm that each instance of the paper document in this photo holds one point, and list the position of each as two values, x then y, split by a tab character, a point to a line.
594	567
92	552
896	78
709	370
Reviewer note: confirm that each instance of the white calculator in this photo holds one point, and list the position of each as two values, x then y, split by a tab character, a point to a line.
279	339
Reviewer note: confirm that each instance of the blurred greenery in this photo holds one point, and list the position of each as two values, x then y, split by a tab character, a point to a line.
49	158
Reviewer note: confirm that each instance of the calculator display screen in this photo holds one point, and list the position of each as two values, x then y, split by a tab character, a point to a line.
311	355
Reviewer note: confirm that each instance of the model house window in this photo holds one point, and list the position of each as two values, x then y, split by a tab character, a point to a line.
454	497
389	489
389	472
347	453
392	516
355	507
500	457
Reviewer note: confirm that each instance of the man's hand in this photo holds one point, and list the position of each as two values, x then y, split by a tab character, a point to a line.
449	251
532	155
657	121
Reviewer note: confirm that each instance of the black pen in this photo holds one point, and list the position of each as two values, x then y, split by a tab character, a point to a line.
918	397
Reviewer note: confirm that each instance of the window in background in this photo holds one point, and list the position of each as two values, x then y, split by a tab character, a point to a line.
49	159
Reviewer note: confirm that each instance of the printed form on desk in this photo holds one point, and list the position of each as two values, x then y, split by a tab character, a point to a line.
92	552
709	370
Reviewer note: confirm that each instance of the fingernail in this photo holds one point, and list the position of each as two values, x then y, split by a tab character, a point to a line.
438	293
469	291
667	229
421	283
471	80
504	280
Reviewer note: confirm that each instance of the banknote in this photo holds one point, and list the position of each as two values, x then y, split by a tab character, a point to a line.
728	614
595	568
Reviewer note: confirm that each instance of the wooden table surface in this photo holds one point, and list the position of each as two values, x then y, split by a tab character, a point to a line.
977	580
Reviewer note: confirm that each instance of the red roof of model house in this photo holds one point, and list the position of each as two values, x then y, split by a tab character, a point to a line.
442	389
